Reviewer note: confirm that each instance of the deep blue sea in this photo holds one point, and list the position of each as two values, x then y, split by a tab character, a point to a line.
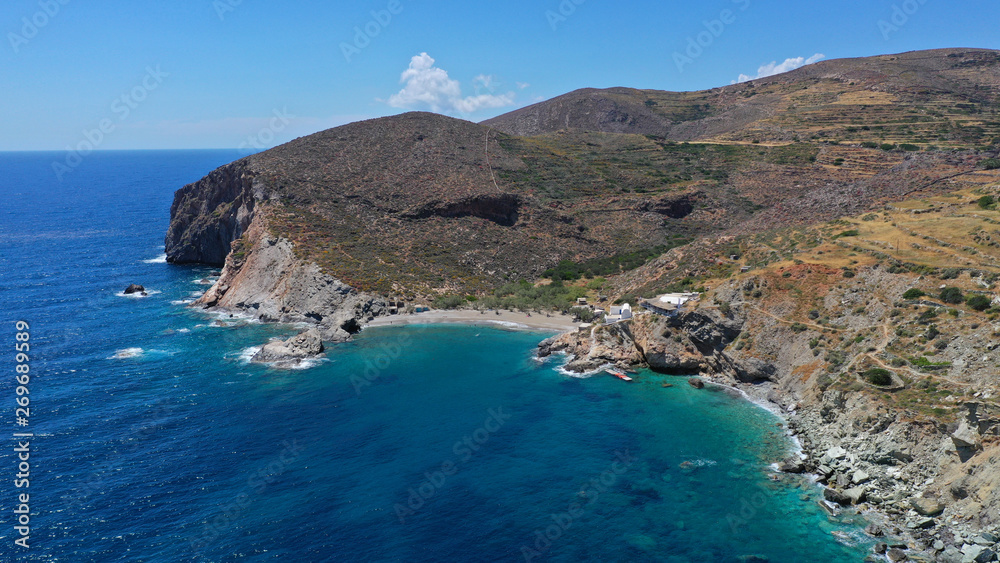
155	441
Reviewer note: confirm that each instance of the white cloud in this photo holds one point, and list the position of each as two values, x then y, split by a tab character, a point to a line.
773	67
426	86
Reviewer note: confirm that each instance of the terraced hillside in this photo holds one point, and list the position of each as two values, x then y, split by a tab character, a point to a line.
945	97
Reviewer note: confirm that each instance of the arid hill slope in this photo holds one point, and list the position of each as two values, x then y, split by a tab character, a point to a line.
944	96
420	203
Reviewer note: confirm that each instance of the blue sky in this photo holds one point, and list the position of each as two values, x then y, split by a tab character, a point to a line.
251	73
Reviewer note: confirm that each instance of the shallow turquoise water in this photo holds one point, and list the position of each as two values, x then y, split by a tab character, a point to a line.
157	442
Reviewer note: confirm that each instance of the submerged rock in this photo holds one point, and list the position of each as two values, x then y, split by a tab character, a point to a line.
874	531
696	383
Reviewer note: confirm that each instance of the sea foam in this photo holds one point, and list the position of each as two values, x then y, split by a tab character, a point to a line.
161	259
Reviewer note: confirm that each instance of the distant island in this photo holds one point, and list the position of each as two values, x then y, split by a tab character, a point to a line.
838	225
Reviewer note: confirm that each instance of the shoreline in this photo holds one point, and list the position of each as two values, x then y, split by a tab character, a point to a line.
522	321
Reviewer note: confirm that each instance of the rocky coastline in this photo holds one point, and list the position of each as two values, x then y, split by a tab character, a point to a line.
926	486
224	219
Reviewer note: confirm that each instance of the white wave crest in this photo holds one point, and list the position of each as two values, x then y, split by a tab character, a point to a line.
127	353
161	259
138	295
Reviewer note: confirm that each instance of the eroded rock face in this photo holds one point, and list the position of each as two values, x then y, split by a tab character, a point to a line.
595	347
267	280
208	215
692	342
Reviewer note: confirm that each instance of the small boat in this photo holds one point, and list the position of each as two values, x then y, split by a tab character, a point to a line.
619	375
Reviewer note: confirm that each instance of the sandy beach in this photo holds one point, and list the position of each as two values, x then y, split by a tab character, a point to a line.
555	323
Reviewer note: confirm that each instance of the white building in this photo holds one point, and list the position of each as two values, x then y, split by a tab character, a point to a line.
678	299
669	303
619	313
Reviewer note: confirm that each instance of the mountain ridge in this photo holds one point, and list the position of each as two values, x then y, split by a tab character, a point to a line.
716	114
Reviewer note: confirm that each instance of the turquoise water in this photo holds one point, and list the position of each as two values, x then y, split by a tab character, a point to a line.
156	441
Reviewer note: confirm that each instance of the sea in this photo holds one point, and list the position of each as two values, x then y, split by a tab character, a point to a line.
149	436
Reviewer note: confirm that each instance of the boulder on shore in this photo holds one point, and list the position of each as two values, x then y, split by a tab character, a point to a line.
856	494
833	495
966	437
134	288
792	465
696	383
926	506
302	346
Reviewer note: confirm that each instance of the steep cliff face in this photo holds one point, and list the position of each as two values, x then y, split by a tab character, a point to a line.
225	219
263	277
208	215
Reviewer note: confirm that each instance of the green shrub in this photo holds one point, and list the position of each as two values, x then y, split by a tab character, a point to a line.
986	202
887	146
878	376
909	148
978	302
798	327
951	294
569	270
950	273
448	302
586	315
850	233
869	145
835	358
913	293
990	163
927	316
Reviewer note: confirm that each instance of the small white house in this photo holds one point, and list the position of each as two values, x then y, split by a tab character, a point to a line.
678	299
619	313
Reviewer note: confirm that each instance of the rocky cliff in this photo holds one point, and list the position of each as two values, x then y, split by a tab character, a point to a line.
208	215
225	219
